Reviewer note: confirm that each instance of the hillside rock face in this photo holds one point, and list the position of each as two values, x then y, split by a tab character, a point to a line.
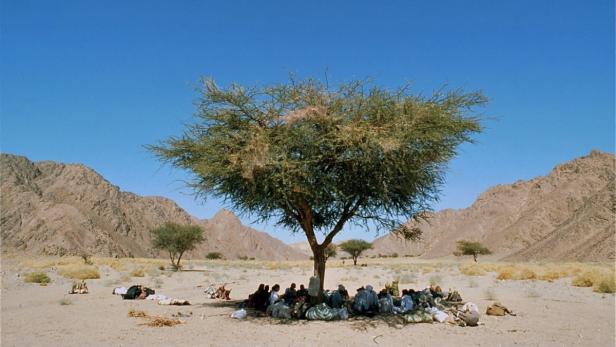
56	209
567	215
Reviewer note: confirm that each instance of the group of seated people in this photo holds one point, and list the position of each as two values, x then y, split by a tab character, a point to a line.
365	302
264	297
368	302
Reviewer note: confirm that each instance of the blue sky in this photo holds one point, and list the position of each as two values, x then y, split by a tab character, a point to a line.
92	82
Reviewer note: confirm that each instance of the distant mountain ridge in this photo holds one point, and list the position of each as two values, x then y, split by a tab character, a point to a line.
567	215
53	208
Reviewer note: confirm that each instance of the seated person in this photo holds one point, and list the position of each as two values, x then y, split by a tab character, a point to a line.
290	294
273	297
302	292
366	301
252	298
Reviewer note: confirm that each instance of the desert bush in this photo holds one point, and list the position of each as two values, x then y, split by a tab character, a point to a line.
516	272
37	277
138	272
80	272
602	280
214	255
161	267
606	284
472	269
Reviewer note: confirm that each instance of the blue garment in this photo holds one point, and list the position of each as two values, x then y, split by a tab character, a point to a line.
406	303
336	299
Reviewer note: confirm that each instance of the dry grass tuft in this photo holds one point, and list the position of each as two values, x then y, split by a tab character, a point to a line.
154	321
602	280
79	271
162	322
138	272
37	277
135	313
472	269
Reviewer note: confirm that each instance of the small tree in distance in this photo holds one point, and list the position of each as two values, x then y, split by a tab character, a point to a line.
355	248
471	248
176	239
330	251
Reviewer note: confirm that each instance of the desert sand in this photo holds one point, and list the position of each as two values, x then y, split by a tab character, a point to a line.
548	313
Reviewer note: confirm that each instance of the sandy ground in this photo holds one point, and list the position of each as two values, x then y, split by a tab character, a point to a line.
548	314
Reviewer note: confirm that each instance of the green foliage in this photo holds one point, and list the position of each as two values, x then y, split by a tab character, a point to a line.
356	153
330	251
37	277
471	248
176	239
215	255
355	248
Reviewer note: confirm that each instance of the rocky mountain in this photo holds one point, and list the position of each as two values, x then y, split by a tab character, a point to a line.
52	208
567	215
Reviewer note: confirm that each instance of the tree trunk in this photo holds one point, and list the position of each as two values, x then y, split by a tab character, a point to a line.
354	261
319	269
475	257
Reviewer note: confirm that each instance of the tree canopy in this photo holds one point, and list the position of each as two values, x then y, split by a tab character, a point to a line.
355	248
176	239
330	251
471	248
314	158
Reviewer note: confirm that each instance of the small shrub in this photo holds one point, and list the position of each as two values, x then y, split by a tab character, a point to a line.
37	277
79	272
243	257
584	279
394	255
138	272
65	301
471	269
135	313
606	285
161	267
214	255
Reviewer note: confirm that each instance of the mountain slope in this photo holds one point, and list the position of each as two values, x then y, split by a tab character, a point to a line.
566	215
53	208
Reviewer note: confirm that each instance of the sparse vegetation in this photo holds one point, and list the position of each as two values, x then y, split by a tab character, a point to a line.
214	256
471	269
37	277
138	272
79	272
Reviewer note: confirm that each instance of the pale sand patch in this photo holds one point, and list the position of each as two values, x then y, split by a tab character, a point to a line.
549	314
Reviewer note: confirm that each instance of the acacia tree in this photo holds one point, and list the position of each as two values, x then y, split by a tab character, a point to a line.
314	159
176	239
471	248
355	248
330	251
